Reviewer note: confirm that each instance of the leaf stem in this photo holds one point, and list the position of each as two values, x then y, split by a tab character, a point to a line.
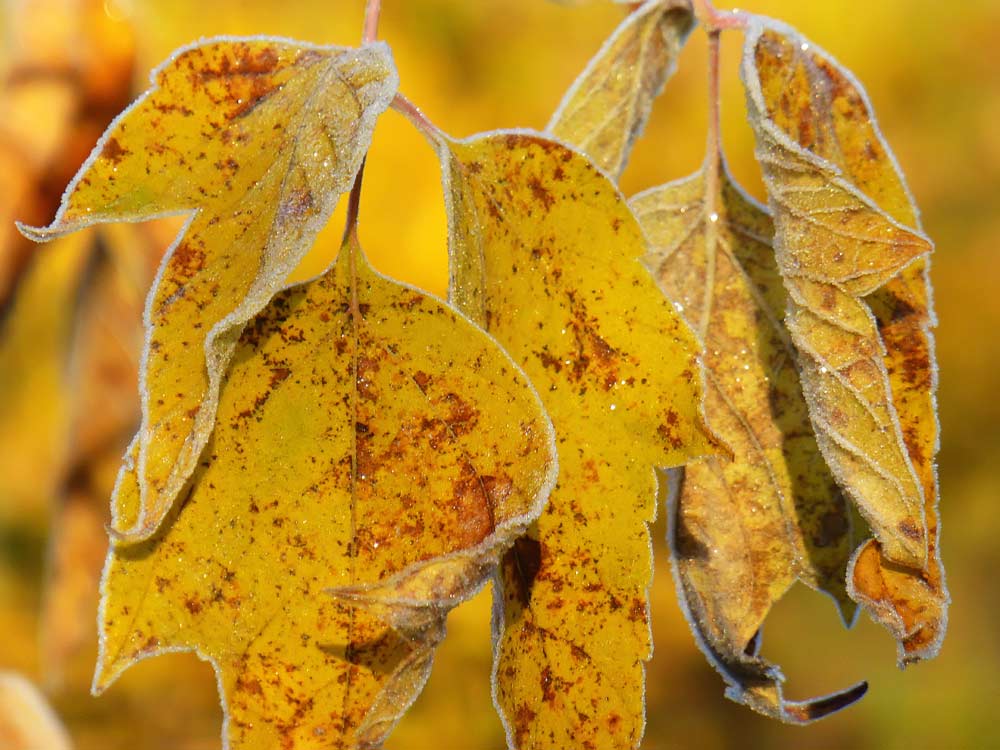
712	171
419	120
373	9
713	157
715	20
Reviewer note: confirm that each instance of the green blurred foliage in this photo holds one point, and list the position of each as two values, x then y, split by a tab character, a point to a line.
933	74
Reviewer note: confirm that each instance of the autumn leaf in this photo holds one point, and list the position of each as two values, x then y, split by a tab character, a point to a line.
258	137
102	362
744	529
834	246
368	440
854	259
544	254
34	410
607	106
27	722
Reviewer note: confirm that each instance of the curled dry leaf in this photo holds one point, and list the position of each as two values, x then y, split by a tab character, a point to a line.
544	254
258	137
607	107
369	439
834	246
27	722
854	259
744	529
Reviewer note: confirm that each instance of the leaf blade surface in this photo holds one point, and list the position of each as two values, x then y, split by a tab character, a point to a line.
366	434
544	253
258	137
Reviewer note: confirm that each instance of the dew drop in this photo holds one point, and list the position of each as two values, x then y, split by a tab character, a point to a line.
613	407
713	217
804	47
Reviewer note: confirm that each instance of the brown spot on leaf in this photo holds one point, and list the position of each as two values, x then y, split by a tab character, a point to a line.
113	151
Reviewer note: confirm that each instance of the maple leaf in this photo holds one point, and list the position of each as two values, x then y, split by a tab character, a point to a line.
27	722
744	529
607	106
854	259
258	137
544	253
369	440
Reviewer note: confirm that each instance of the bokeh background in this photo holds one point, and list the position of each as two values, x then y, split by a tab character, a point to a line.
69	341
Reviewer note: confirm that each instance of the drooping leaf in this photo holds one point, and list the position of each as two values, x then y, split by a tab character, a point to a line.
607	106
854	258
35	402
835	245
369	440
27	722
545	254
258	137
744	529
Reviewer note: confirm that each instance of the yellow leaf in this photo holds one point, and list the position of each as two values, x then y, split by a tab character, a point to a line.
744	529
835	244
103	373
258	138
545	253
34	375
607	106
847	228
369	440
27	722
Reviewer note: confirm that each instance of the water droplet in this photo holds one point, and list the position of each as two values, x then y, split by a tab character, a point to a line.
823	371
713	217
804	47
613	407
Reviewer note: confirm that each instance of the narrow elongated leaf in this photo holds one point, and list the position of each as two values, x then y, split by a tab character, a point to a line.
835	244
744	529
854	258
35	403
258	137
607	106
545	253
369	440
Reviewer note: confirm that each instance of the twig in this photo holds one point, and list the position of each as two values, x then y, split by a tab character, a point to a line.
714	20
373	9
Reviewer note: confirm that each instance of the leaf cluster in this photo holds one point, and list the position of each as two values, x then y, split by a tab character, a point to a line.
323	470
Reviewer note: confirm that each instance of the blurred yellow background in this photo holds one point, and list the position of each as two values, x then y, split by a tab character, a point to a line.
932	70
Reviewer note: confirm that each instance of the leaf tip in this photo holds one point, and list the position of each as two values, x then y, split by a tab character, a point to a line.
36	234
807	712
